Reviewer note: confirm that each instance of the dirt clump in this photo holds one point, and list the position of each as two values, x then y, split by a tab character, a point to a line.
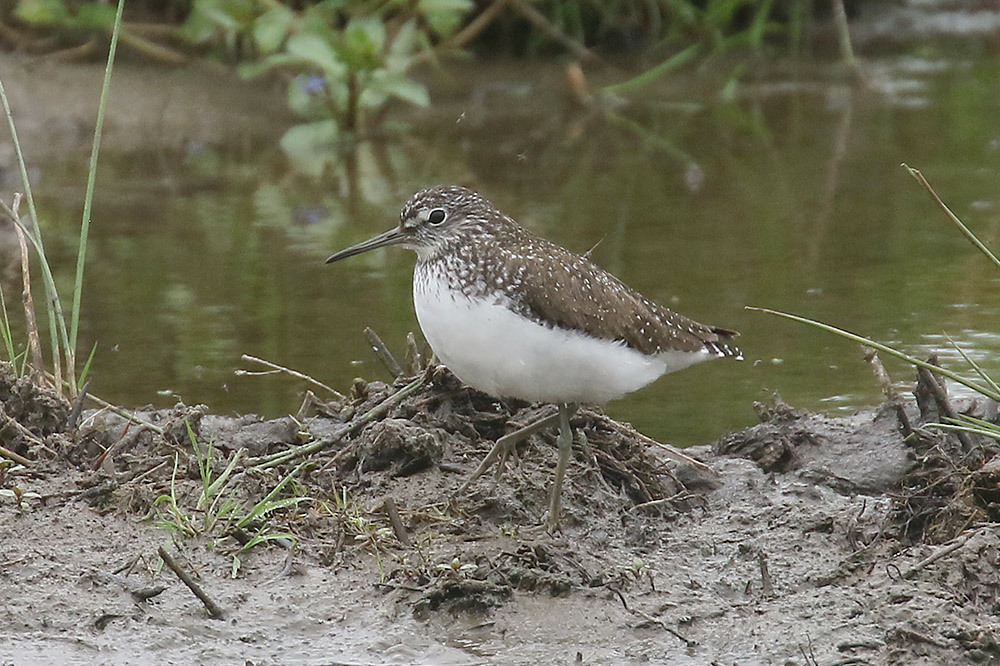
28	411
341	536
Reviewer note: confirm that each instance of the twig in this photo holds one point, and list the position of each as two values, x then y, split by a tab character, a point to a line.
213	608
266	462
608	462
74	415
414	356
931	381
936	555
627	429
885	349
288	371
389	506
99	461
810	656
767	585
476	26
382	352
649	618
951	216
152	49
683	495
125	414
891	396
34	342
138	592
20	428
139	477
7	453
917	636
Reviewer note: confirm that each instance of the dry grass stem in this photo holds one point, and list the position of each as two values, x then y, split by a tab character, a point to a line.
275	368
213	609
34	341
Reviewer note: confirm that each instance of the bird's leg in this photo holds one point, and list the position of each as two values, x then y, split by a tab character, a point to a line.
565	448
505	445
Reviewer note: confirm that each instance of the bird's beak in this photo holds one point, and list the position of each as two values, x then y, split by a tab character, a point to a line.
392	237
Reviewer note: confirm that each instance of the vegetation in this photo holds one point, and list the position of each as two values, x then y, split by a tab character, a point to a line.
219	512
63	338
986	386
954	486
344	61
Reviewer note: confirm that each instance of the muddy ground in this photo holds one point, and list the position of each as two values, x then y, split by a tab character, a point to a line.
805	540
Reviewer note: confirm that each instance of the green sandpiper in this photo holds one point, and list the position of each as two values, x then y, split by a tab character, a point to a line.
514	315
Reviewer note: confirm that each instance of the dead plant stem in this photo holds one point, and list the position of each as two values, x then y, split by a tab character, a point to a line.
288	371
267	462
213	609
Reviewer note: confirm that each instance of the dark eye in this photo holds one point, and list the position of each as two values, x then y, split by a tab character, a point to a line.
436	216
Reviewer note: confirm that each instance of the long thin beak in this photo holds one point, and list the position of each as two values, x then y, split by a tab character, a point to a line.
391	237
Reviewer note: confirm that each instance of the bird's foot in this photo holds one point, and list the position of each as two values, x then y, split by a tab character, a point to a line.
505	447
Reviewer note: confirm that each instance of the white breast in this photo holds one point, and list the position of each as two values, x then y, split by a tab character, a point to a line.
497	351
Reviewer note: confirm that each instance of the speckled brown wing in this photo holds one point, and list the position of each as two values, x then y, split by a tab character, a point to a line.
570	291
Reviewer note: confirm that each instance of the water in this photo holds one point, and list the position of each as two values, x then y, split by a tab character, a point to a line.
789	196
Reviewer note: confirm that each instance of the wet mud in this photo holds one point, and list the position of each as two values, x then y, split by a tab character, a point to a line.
339	537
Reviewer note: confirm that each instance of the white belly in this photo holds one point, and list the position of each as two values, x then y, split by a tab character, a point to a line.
492	349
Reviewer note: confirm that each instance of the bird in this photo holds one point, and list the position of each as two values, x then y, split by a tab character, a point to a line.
514	315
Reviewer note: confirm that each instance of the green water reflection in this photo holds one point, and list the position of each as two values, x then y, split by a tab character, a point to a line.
789	196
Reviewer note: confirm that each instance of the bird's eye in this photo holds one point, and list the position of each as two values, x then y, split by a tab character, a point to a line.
436	216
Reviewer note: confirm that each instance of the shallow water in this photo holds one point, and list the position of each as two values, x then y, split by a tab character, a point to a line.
789	195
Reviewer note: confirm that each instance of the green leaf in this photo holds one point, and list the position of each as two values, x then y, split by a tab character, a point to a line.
312	146
402	48
95	17
41	12
385	84
206	19
655	72
363	42
271	28
318	51
444	15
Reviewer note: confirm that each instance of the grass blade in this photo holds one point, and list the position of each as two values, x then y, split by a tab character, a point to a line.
993	432
951	216
983	390
91	177
217	485
8	339
86	368
34	343
57	324
975	366
269	504
655	72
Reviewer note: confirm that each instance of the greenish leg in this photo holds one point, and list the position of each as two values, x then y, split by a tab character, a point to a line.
565	448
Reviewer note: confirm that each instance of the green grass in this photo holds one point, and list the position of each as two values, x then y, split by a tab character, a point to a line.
986	386
62	340
365	532
218	512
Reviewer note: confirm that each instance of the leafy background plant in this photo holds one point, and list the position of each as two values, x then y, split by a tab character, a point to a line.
344	61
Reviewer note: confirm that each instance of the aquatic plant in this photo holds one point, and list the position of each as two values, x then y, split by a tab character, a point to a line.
954	486
345	61
63	338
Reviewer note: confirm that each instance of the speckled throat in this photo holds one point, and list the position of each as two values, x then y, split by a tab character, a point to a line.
487	255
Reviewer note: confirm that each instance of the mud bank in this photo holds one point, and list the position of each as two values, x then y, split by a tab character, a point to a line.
804	540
